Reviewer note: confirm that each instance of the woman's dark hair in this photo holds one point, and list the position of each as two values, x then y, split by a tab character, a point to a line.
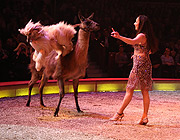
145	27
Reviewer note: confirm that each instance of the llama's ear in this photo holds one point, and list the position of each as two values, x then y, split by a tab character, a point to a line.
91	16
80	16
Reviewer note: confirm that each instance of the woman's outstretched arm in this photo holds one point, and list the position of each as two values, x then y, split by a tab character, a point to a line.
140	38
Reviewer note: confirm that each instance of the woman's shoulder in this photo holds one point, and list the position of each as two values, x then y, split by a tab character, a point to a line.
142	38
141	35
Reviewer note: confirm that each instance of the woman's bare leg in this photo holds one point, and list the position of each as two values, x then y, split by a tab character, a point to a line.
126	101
146	102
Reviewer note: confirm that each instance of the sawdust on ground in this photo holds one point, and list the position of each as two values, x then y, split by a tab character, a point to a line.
20	122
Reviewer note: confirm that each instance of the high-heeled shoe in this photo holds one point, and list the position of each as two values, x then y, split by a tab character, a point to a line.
117	116
143	121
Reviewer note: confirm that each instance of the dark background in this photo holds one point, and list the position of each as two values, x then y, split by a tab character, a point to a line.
119	14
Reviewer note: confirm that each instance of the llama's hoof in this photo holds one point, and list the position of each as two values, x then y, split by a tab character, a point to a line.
80	111
55	114
28	103
42	105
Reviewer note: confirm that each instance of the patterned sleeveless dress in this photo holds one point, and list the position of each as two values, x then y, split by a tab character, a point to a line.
141	73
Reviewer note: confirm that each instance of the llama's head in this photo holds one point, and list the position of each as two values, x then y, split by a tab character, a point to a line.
87	24
33	31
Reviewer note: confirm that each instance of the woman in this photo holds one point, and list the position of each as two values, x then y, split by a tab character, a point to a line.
141	74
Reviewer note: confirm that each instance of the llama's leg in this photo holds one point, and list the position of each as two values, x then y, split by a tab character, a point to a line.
57	47
58	69
38	66
34	79
44	80
75	86
61	95
35	55
39	61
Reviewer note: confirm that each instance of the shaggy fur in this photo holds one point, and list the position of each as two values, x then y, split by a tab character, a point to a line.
72	66
46	38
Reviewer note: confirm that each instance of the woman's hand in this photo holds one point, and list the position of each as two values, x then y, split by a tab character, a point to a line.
115	34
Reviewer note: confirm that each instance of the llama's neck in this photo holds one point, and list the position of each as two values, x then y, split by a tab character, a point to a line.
82	45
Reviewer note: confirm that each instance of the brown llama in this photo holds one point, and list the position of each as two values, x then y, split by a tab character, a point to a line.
72	66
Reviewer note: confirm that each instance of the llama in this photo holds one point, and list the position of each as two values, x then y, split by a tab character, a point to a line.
72	66
46	38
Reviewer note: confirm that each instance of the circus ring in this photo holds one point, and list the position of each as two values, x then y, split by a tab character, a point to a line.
20	88
99	98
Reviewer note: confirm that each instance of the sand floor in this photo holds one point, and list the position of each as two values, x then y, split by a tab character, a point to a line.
35	123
